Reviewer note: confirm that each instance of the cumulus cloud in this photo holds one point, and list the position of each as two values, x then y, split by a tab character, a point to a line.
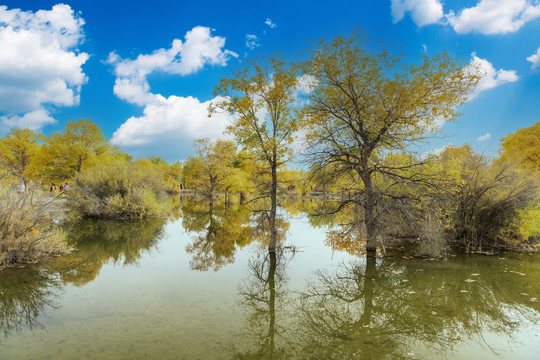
173	119
270	23
182	58
423	12
40	67
34	120
487	17
492	77
535	59
484	137
252	41
176	117
494	16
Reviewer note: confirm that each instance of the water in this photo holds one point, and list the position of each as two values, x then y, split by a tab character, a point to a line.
204	287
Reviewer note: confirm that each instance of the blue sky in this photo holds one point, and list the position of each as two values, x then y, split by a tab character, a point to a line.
145	71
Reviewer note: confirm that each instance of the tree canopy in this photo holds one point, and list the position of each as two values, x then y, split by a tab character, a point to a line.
366	105
523	147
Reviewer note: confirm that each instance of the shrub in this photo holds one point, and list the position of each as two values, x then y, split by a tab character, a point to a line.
484	204
119	189
432	239
27	232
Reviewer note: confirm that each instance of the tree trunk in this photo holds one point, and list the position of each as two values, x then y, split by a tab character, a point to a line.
79	165
273	207
370	219
212	187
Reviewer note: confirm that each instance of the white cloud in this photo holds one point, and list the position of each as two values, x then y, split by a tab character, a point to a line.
134	91
270	23
39	64
487	17
252	41
177	118
484	137
199	48
535	59
492	77
166	122
436	152
34	120
494	16
58	25
423	12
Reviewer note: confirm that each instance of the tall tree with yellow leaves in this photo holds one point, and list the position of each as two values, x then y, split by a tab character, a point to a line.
367	105
68	151
260	100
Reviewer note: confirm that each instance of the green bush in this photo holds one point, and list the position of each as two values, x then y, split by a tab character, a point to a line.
27	231
119	189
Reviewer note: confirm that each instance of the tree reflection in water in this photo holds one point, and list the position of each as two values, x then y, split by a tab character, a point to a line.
369	307
29	291
266	299
98	242
392	307
24	294
216	229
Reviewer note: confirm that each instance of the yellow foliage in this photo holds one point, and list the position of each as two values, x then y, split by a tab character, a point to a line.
261	98
523	148
18	151
119	188
67	153
529	222
214	167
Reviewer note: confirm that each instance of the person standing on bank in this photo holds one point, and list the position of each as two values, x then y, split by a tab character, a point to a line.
20	188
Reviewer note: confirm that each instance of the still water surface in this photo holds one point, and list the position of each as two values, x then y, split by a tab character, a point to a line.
204	287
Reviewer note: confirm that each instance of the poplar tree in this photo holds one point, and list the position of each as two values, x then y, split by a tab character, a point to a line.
260	101
367	106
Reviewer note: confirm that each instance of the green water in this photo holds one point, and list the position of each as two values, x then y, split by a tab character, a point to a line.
204	287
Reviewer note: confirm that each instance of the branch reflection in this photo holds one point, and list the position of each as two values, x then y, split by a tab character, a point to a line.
393	307
216	229
28	292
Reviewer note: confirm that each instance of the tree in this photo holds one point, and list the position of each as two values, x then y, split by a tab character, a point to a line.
210	169
260	100
366	106
17	153
523	148
67	152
